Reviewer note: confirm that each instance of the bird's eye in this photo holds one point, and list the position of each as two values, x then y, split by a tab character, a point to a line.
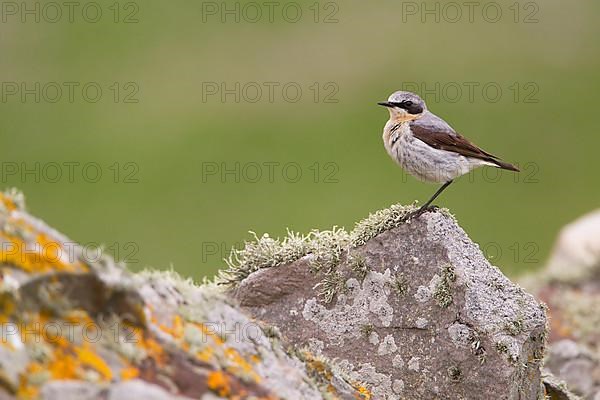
408	103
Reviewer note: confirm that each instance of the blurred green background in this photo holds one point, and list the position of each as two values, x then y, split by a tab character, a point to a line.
161	137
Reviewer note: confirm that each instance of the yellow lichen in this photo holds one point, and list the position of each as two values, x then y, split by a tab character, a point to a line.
218	382
39	256
153	350
206	354
88	358
176	328
129	373
237	365
27	392
363	393
63	366
8	203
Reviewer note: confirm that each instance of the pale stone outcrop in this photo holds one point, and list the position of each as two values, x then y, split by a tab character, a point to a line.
414	309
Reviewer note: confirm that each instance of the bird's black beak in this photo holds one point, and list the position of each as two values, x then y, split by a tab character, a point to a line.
386	104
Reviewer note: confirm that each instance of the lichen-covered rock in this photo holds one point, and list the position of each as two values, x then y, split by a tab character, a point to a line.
414	309
577	366
556	389
79	328
570	285
576	253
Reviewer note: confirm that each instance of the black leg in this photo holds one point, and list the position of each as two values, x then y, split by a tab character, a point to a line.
435	195
425	206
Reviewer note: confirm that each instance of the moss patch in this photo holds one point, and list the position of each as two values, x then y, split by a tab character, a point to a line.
455	374
379	222
266	252
400	285
326	247
333	283
358	263
443	291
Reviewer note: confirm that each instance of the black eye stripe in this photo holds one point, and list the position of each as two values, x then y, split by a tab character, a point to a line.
409	106
403	104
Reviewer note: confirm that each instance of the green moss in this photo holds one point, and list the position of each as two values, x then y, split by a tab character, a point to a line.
400	285
378	222
501	347
358	263
263	252
455	374
540	342
266	252
443	291
515	327
333	283
326	247
271	332
366	330
477	348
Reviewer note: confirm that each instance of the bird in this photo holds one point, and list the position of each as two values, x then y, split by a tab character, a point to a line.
428	148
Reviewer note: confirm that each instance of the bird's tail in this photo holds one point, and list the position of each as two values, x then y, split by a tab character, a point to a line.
505	165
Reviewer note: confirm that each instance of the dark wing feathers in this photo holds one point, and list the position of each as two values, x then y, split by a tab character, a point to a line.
450	142
438	134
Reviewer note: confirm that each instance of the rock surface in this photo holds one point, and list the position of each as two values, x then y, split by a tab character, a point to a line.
570	286
414	310
576	365
576	253
79	328
391	310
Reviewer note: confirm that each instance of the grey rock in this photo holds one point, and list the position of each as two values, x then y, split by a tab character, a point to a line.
413	310
71	390
570	286
556	389
138	389
84	328
576	253
577	366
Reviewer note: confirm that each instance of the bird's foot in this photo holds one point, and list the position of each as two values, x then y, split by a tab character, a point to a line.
417	213
413	214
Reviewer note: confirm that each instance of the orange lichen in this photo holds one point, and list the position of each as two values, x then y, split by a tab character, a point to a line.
206	354
7	307
219	383
129	373
88	358
154	350
8	203
25	390
176	328
78	316
363	393
63	366
39	256
239	366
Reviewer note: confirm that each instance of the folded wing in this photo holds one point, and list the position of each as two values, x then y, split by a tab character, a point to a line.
438	134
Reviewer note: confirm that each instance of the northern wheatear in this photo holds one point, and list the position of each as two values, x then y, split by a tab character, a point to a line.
427	147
